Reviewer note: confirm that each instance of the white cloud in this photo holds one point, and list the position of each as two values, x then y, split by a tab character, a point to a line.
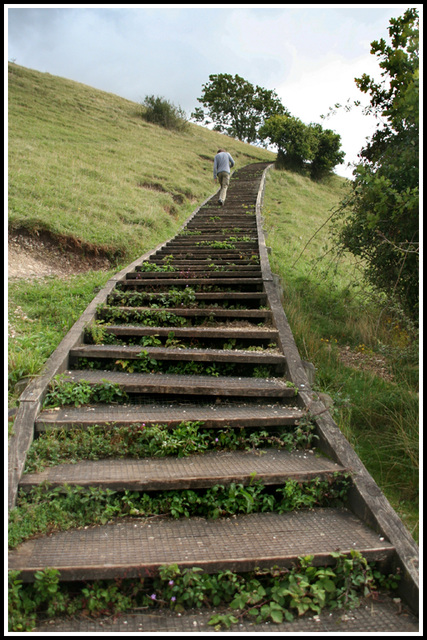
314	91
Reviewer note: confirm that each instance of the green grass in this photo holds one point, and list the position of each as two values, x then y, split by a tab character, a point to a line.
330	309
84	165
40	314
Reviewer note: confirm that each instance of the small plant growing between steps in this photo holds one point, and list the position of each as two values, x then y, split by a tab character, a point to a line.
96	333
66	392
44	509
263	595
139	441
216	244
154	267
291	385
174	297
145	317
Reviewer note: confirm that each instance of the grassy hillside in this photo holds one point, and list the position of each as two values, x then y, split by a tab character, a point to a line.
86	167
84	164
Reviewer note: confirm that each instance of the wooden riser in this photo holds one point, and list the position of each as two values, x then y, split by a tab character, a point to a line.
97	352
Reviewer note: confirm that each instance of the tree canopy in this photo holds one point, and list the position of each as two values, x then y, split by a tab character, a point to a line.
301	145
382	213
236	107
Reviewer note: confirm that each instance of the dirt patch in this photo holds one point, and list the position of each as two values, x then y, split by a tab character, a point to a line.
374	363
38	256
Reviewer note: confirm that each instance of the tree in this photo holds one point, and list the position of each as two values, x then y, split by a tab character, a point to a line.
300	145
328	152
382	213
236	107
293	139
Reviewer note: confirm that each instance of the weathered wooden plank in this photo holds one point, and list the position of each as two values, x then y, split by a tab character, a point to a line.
207	275
226	333
382	616
214	312
234	237
216	416
191	355
190	282
19	443
188	385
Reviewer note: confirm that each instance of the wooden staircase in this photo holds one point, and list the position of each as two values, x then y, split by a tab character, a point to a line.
224	357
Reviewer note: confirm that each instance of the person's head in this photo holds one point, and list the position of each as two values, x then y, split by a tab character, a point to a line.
221	151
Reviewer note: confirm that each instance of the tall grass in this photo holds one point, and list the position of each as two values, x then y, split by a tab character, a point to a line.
331	312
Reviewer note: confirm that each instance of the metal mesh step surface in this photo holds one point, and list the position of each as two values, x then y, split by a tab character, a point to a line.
192	355
212	416
382	615
271	466
137	547
188	385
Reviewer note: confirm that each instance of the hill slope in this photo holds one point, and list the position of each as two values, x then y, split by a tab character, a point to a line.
86	168
91	182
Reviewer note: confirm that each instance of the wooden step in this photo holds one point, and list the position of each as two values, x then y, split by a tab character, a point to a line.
204	263
198	471
207	212
208	253
217	416
196	247
214	313
211	256
227	337
221	333
217	280
188	385
220	235
208	267
205	274
98	352
138	546
239	297
219	227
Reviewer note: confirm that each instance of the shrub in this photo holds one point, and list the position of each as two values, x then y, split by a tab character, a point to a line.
160	111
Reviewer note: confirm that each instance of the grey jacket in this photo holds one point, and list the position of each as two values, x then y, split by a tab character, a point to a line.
222	162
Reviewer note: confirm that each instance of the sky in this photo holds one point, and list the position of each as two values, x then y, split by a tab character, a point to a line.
309	55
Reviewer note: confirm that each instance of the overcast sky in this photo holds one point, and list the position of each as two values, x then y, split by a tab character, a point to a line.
309	54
